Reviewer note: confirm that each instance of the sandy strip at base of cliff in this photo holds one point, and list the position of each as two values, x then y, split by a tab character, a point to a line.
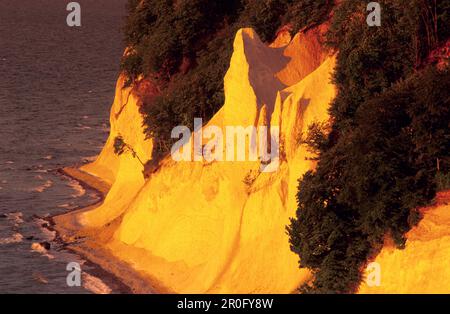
77	239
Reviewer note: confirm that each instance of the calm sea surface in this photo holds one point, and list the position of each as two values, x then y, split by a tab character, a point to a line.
56	88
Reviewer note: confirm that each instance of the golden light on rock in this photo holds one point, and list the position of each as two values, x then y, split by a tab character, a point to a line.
195	227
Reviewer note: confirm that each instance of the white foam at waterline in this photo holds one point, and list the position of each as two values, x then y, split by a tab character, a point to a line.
84	127
43	187
48	157
93	195
80	191
90	158
70	206
37	247
16	217
15	238
49	235
94	284
40	171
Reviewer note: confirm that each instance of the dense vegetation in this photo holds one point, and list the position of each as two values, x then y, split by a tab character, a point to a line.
185	46
389	141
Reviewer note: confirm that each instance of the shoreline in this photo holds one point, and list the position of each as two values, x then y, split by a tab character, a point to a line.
70	234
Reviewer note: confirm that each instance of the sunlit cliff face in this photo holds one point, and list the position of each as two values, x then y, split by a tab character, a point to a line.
424	265
219	227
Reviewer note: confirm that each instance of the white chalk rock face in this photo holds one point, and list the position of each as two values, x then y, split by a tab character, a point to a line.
422	266
123	172
199	227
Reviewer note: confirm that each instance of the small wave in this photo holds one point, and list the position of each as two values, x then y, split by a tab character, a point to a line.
49	235
68	206
39	248
93	195
90	158
16	217
49	157
43	187
83	127
94	284
9	162
40	278
37	169
15	238
40	171
79	190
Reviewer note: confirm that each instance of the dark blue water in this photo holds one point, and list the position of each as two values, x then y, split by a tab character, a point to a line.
56	88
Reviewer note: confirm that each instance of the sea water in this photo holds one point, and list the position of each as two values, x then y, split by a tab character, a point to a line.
56	88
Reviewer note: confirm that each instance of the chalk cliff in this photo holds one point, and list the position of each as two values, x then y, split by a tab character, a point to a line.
423	266
198	227
220	226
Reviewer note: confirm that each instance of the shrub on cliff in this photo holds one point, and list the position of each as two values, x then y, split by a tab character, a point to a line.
121	147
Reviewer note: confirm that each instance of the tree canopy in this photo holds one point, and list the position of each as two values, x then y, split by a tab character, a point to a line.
185	47
377	164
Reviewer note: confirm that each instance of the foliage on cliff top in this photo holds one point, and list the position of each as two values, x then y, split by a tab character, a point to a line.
377	165
185	47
